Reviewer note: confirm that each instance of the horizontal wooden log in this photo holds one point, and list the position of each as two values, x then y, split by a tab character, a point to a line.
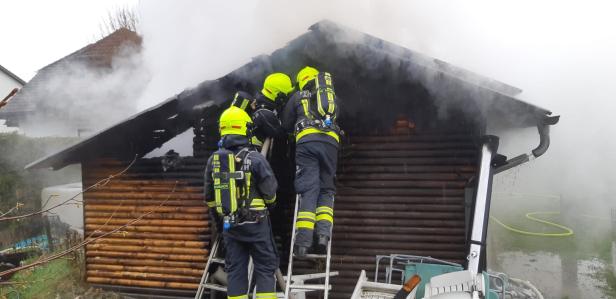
356	153
341	235
144	222
143	275
144	209
411	161
403	184
138	182
413	146
411	138
153	189
145	228
124	181
349	246
385	206
350	190
149	242
105	171
160	236
149	172
146	269
398	230
143	283
439	254
400	222
435	176
146	202
347	168
178	216
144	262
143	195
400	199
390	215
147	249
143	255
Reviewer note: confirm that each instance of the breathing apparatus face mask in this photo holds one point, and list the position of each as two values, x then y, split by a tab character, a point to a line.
281	99
309	85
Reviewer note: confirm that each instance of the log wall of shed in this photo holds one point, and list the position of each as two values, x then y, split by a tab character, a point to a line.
398	194
168	247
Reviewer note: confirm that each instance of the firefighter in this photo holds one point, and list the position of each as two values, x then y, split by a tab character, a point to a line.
311	114
265	106
239	187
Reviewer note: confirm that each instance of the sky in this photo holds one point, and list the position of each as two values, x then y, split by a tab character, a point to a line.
37	33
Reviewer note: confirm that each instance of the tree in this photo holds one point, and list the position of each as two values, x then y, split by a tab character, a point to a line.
123	17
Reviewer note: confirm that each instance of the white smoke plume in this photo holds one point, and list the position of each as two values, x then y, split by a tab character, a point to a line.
559	53
74	97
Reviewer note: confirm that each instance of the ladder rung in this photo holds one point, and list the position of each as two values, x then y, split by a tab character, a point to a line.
218	260
315	256
313	287
216	287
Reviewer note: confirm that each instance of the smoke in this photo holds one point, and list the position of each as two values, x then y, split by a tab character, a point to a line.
564	66
559	53
75	97
188	42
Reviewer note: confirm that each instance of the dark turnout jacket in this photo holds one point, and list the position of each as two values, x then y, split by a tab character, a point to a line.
295	112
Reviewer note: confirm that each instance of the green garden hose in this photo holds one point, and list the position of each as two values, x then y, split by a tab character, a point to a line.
567	231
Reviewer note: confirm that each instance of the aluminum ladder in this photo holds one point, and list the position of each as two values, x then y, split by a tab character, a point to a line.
295	284
215	259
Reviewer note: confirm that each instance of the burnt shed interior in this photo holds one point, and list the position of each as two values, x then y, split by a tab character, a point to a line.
406	161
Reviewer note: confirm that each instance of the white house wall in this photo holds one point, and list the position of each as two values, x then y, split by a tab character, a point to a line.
7	83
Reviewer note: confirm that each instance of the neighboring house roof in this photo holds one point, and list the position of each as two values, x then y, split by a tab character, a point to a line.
10	74
321	47
99	55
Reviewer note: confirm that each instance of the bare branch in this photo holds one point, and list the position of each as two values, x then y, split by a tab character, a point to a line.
15	208
100	183
123	17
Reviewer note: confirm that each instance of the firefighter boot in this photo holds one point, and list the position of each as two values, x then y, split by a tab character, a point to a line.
300	251
321	245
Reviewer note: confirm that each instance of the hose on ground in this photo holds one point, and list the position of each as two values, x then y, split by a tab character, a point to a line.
531	216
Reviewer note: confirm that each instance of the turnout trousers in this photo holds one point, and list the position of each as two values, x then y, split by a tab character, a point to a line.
251	240
314	181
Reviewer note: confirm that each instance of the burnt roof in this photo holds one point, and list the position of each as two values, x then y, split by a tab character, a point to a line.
99	54
327	45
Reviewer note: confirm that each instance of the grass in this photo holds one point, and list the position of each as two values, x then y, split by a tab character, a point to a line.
48	281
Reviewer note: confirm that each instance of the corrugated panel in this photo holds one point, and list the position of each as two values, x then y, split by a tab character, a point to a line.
167	248
399	194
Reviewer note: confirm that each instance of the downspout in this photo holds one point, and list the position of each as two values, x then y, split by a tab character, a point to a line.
543	127
481	213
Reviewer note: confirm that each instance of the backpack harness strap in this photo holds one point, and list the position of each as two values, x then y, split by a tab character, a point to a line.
317	124
243	209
